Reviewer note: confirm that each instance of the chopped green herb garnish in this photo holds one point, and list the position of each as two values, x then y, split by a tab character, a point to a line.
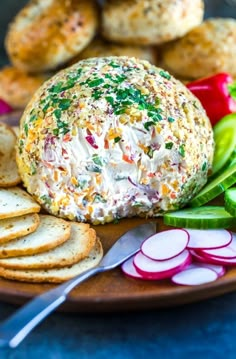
110	100
97	160
82	184
26	129
97	94
171	119
148	124
120	111
46	199
165	74
57	114
150	152
21	145
99	198
117	139
182	150
118	79
204	166
33	169
112	64
195	104
56	88
169	145
33	117
64	103
95	83
55	131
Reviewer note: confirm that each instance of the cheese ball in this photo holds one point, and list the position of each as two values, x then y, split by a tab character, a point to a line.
149	22
206	50
114	137
47	33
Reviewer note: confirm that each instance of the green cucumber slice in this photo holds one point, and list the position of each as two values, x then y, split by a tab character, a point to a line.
214	188
206	217
230	201
225	141
229	163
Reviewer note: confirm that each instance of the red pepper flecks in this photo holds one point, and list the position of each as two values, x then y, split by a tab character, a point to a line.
217	94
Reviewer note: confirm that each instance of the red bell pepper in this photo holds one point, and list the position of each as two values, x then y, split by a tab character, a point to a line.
4	107
217	94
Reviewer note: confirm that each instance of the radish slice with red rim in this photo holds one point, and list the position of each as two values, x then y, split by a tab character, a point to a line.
165	245
228	252
129	269
219	269
153	269
208	238
213	260
195	276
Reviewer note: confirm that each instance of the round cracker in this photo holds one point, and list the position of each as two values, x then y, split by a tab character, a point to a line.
9	175
11	228
51	232
16	202
76	248
56	275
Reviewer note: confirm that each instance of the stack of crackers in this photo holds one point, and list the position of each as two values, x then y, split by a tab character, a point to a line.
36	247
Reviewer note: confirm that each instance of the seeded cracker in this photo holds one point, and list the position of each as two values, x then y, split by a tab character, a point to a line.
9	175
11	228
51	232
16	202
59	274
76	248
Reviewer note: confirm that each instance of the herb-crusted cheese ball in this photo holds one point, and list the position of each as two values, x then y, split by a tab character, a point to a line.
113	137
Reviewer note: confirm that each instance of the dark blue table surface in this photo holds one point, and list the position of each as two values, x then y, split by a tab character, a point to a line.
201	330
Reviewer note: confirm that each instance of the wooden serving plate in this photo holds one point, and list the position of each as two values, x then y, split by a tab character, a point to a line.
112	291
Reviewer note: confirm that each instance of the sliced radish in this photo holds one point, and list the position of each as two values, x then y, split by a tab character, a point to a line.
165	245
213	260
129	269
227	252
208	238
219	269
154	269
195	276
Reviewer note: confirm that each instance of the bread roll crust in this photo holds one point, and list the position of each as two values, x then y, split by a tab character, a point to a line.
102	48
17	87
207	49
150	22
47	33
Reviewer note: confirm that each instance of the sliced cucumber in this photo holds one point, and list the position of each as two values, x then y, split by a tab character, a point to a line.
214	188
206	217
225	142
230	201
229	163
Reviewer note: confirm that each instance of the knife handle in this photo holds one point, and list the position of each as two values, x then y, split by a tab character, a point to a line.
14	329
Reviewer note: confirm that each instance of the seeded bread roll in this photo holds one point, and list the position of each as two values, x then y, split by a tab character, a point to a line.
150	22
113	137
102	48
17	87
207	49
48	33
